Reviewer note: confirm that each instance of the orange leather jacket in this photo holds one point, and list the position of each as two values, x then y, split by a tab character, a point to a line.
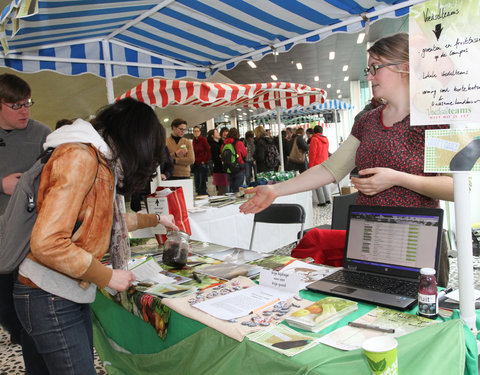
75	213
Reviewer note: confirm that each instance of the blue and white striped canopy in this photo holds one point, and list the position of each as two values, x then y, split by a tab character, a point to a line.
171	38
311	109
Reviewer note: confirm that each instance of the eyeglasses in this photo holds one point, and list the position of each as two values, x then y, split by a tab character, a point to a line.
372	69
17	106
182	129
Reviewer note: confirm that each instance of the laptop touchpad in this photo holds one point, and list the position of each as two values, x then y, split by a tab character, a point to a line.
343	289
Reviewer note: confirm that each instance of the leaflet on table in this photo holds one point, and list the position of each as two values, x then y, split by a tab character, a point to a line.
228	271
308	272
150	270
274	286
351	338
202	248
236	255
170	290
283	339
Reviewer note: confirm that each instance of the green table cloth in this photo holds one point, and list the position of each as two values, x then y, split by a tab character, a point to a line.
192	348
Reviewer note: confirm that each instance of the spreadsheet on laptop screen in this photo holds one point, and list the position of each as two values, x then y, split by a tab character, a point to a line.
398	239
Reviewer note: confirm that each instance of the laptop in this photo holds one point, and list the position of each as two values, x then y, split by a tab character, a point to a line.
385	248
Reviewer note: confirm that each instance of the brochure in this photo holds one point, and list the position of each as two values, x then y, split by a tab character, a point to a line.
228	271
202	248
308	273
321	314
351	338
283	339
170	290
273	287
236	255
149	270
274	262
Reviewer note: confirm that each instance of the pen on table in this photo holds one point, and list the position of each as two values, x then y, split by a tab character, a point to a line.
443	294
264	306
196	277
368	326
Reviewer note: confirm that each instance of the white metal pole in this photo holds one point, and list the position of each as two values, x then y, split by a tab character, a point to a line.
280	140
464	247
108	71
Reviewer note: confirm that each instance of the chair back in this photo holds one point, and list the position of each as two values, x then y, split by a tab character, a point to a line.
341	204
279	213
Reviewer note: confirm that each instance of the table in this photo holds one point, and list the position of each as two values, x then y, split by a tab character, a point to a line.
192	348
227	226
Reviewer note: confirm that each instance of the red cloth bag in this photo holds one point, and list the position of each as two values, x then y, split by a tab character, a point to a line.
172	203
325	246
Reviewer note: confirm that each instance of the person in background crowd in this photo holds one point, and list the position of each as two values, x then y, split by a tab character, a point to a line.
181	150
202	158
309	133
79	219
374	103
250	165
166	171
286	147
220	180
298	141
21	140
224	133
268	133
62	122
317	155
261	144
235	180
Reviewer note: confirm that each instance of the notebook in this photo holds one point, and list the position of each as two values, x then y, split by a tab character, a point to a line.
385	248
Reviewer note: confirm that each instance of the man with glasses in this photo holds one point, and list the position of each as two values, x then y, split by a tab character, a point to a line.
181	150
21	141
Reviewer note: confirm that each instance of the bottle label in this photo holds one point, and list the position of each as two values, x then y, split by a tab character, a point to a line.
427	304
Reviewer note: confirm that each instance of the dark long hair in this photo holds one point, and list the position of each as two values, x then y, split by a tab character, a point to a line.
136	138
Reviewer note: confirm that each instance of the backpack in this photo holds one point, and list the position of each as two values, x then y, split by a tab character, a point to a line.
230	159
272	156
17	221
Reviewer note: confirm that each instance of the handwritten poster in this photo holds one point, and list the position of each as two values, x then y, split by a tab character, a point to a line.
444	62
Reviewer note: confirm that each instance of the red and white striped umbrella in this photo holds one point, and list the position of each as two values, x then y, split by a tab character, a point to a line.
164	92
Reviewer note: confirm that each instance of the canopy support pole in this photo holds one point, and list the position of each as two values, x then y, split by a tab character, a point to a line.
280	143
108	71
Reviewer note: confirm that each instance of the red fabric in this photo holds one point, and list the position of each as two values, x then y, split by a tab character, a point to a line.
202	150
318	152
325	246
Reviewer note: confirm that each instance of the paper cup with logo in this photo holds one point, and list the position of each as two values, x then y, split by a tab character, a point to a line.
381	354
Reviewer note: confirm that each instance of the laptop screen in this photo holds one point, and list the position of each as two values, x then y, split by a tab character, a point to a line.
399	238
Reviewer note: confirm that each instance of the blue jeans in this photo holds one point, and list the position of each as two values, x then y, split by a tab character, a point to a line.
235	181
200	175
250	167
61	330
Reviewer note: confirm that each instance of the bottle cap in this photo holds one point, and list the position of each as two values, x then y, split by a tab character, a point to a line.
427	271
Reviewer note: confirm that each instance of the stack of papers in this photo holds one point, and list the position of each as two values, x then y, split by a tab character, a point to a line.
236	255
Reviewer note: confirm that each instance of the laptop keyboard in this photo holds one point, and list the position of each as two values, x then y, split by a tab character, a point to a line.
372	282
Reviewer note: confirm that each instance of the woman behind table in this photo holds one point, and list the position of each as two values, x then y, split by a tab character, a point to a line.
388	152
235	180
250	165
220	180
77	209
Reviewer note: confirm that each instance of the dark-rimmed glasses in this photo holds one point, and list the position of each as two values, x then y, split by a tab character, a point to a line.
181	129
17	106
372	69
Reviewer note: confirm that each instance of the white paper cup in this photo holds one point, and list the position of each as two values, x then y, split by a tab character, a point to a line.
381	355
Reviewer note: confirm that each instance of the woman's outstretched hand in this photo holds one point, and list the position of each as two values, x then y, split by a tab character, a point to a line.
264	197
